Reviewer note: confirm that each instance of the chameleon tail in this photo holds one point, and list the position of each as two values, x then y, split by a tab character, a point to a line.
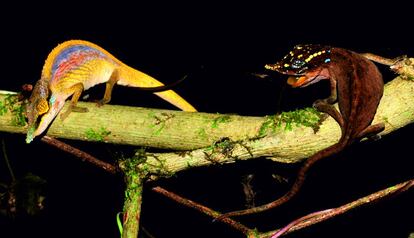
134	78
300	179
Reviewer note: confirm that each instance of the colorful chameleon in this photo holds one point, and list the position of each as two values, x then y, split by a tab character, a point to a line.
75	66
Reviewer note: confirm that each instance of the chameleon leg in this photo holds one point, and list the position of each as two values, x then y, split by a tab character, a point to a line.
108	89
322	106
325	105
334	92
372	131
383	60
76	91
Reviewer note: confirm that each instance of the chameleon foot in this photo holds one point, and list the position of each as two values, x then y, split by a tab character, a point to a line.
100	103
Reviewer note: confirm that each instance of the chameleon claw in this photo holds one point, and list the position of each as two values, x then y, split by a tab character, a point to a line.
100	103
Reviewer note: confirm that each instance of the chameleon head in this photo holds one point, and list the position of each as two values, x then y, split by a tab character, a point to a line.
41	109
37	106
305	64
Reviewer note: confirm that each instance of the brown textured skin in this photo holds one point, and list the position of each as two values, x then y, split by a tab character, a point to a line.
359	88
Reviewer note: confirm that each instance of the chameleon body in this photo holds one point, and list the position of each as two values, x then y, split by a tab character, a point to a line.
75	66
357	86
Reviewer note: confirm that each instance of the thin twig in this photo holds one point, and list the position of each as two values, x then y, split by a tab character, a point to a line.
203	209
282	231
80	154
320	216
6	159
146	232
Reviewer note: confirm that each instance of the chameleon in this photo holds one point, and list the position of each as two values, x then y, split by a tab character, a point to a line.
77	65
355	83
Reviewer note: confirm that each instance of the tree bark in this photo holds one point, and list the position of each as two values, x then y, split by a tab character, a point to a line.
246	137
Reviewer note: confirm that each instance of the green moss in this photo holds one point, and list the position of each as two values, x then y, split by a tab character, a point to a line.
202	133
220	119
151	114
189	166
308	117
224	143
3	108
268	124
134	180
159	128
146	170
132	174
210	148
18	118
160	121
98	135
407	76
254	233
223	146
12	104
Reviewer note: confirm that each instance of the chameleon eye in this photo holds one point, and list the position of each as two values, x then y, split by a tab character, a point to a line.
42	107
297	64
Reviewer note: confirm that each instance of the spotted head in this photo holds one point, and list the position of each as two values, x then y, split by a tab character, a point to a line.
304	63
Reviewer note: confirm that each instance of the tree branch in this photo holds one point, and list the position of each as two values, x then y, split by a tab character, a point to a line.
133	197
203	209
147	127
213	138
248	137
79	154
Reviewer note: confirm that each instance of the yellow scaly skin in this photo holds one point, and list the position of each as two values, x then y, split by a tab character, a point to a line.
75	66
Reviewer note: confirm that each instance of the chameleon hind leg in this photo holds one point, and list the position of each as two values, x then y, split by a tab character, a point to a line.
372	131
76	91
383	60
108	89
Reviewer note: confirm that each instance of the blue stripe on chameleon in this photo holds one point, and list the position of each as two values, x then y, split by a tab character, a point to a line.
52	100
66	53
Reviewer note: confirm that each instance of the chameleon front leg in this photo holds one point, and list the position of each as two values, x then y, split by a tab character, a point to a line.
326	105
333	97
329	109
334	91
76	91
108	89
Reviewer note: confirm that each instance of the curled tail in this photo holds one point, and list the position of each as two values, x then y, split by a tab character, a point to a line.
134	78
300	179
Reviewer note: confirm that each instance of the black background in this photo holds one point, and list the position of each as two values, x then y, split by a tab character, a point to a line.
230	42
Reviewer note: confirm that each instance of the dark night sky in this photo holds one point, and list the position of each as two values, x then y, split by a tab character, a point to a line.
229	42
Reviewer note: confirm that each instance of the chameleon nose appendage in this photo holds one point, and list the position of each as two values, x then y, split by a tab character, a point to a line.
30	135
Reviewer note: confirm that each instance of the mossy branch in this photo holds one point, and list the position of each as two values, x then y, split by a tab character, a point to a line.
217	138
133	197
289	146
